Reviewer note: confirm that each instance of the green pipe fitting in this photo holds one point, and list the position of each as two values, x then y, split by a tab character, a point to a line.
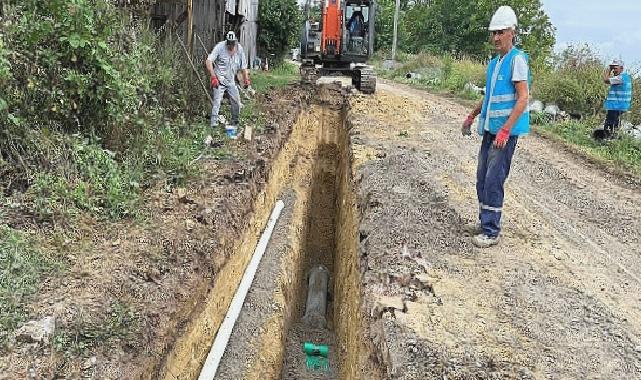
312	349
316	356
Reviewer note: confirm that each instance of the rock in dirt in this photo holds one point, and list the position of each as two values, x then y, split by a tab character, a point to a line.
37	331
387	303
205	215
89	363
182	196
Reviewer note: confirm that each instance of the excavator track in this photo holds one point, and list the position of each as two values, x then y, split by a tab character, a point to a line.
308	73
365	80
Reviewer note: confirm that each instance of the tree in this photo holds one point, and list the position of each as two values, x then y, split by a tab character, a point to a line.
279	23
460	27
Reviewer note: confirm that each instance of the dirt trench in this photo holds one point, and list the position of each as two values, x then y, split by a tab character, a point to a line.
312	175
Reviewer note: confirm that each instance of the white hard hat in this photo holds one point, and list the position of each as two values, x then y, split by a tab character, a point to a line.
616	62
504	18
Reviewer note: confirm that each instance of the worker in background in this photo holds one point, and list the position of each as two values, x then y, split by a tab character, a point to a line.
225	60
503	118
356	23
619	97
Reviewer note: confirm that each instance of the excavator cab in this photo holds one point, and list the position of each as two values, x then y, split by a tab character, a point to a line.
340	40
357	31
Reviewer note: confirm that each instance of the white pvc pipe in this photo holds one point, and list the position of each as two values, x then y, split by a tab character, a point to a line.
208	371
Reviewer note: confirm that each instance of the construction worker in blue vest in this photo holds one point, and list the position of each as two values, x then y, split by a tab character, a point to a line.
619	97
504	117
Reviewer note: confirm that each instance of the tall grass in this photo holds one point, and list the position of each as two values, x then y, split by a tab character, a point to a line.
21	268
623	151
279	76
441	73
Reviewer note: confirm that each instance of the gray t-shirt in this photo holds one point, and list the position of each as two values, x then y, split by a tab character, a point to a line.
226	63
520	73
519	69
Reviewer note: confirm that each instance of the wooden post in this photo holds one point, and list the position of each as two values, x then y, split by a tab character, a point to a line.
394	38
190	26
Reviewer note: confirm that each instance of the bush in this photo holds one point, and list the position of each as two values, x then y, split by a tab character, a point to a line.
66	67
563	90
280	22
465	71
89	179
437	72
85	68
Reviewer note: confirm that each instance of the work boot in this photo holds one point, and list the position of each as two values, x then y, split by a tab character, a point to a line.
472	229
484	241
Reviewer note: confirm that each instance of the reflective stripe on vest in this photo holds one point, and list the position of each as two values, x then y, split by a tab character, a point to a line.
620	95
501	97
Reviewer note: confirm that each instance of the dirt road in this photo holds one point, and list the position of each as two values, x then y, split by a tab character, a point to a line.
559	298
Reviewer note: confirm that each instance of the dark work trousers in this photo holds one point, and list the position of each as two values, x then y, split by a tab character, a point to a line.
612	121
491	173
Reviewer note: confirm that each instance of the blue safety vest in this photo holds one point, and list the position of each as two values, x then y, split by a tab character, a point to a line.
620	95
501	99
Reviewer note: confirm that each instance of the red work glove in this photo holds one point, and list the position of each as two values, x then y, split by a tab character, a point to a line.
467	125
214	81
501	138
246	83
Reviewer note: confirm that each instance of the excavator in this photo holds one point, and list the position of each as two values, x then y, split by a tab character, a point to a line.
337	38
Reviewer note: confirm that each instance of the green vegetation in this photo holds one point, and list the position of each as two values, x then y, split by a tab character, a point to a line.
437	73
120	322
21	267
94	108
576	85
94	182
459	27
279	28
281	75
623	152
82	66
112	106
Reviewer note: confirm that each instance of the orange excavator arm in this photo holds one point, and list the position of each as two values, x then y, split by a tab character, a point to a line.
332	27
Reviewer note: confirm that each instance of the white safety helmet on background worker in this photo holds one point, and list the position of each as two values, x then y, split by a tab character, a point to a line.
504	18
